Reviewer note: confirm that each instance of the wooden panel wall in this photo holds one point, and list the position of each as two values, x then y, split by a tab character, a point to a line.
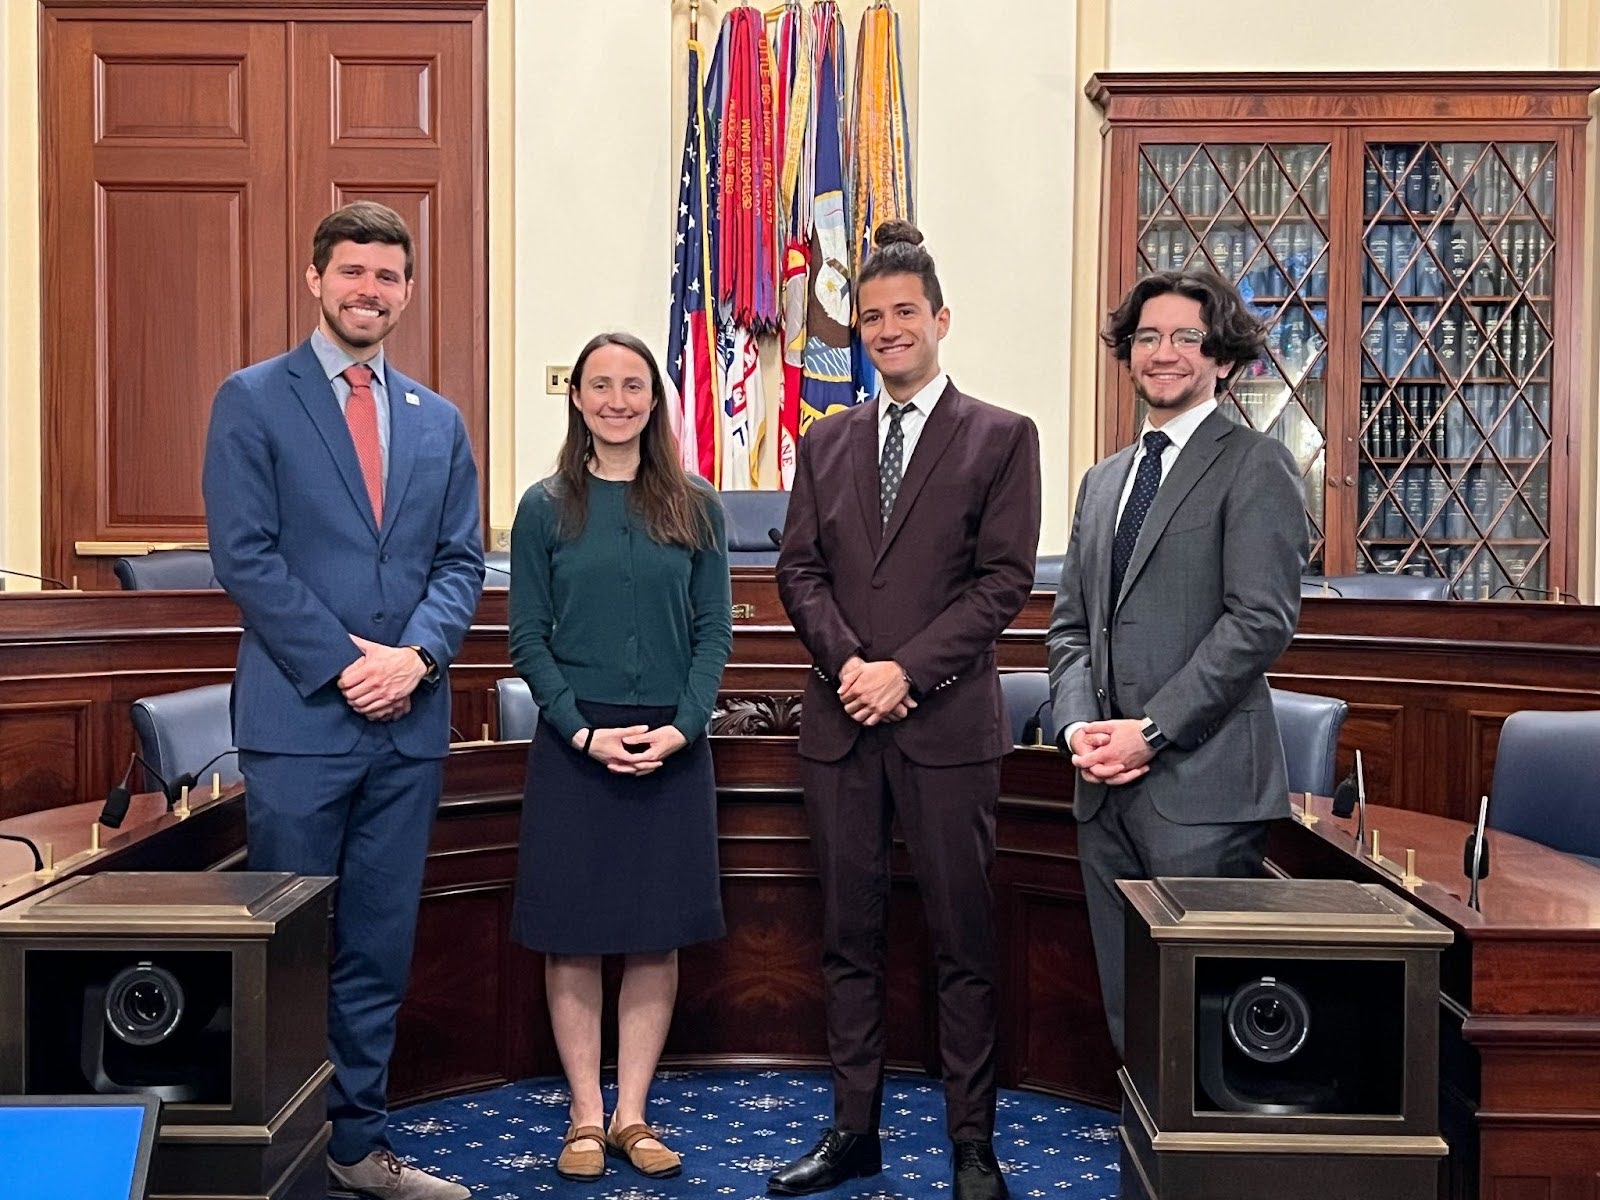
189	152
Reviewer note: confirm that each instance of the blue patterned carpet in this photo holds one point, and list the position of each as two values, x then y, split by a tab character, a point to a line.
734	1127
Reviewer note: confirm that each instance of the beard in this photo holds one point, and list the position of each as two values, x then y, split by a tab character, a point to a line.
360	339
1195	393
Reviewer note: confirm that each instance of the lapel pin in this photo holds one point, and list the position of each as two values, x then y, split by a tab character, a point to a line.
411	398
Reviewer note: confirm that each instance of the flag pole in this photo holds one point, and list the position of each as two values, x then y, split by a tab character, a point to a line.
694	20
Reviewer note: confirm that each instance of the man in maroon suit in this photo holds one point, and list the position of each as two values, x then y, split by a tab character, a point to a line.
909	548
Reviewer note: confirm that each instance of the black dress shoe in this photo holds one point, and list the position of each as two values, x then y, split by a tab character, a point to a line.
977	1173
837	1157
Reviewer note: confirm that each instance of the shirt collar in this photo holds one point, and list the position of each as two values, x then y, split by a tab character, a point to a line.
1181	428
335	359
925	398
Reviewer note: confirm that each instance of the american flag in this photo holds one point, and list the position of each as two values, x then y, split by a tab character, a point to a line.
691	373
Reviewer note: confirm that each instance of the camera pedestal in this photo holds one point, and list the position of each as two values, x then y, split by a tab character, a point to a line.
99	964
1282	1040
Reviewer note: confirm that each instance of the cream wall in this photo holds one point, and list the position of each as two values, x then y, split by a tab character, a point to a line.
1350	35
19	292
583	125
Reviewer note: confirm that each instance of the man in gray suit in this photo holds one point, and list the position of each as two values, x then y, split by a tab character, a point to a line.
1181	586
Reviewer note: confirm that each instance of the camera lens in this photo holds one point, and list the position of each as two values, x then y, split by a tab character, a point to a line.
1268	1020
144	1004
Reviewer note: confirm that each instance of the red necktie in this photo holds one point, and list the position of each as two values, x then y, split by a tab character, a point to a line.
361	414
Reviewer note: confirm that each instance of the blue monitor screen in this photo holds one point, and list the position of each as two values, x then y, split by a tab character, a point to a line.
71	1152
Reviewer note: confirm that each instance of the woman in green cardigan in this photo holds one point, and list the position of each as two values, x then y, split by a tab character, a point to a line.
621	622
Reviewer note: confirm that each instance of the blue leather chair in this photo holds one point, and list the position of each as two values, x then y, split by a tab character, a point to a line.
751	518
166	570
1027	696
1376	585
517	713
497	568
181	732
1547	781
1309	729
1047	572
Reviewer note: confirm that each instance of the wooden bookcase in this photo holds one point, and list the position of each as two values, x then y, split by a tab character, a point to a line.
1415	243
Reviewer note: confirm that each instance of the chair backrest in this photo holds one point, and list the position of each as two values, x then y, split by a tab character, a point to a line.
1376	585
517	713
1547	780
1309	728
166	570
497	569
1027	696
181	731
751	518
1047	572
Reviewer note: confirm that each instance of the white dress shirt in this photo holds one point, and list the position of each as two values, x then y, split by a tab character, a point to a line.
911	424
1180	429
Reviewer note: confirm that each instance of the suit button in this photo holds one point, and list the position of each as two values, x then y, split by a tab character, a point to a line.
1100	692
383	558
377	616
880	583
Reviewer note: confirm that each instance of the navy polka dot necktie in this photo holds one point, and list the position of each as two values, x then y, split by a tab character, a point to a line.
1146	482
891	466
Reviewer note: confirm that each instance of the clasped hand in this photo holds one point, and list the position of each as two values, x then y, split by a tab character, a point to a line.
874	691
633	750
378	685
1111	752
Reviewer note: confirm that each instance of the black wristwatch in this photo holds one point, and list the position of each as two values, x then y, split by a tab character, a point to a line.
1153	737
430	666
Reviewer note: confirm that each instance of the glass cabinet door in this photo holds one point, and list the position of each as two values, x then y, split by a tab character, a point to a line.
1257	213
1455	446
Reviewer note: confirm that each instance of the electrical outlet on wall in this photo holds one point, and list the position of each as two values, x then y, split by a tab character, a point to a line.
556	380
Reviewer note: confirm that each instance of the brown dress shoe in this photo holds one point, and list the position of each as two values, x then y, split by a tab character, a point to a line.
578	1160
654	1162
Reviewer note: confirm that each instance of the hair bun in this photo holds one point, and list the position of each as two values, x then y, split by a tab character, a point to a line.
894	232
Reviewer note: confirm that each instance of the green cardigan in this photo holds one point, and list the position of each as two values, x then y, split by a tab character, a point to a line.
613	616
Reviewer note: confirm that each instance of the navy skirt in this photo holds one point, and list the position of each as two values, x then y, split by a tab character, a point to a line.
616	864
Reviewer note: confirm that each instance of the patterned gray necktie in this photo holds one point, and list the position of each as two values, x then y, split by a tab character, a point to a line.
1146	482
892	464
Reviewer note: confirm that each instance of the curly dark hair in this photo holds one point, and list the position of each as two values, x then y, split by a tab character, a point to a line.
1234	334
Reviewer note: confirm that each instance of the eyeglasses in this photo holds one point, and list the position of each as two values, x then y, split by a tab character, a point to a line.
1186	341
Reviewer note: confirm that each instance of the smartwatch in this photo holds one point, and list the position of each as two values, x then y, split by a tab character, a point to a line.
1153	737
430	667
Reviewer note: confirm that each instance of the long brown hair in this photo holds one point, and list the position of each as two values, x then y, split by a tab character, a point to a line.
675	511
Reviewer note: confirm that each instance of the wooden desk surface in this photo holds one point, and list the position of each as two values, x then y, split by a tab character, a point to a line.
1522	982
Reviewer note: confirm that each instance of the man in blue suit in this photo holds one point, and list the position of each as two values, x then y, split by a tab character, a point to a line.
342	507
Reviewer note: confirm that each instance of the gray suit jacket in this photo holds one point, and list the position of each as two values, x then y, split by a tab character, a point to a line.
1209	602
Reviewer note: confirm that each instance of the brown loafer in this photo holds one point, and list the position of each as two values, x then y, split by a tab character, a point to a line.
580	1162
653	1163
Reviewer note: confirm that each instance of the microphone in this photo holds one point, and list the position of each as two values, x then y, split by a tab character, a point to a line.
72	587
1344	796
1033	727
38	860
775	535
1318	588
1475	854
187	780
115	810
1522	587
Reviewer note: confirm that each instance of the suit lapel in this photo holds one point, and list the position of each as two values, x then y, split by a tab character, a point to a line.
1194	460
404	421
315	394
936	435
864	460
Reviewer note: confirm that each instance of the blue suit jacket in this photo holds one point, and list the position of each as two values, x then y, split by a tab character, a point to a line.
295	544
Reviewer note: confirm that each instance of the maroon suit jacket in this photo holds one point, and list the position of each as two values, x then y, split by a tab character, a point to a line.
933	590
